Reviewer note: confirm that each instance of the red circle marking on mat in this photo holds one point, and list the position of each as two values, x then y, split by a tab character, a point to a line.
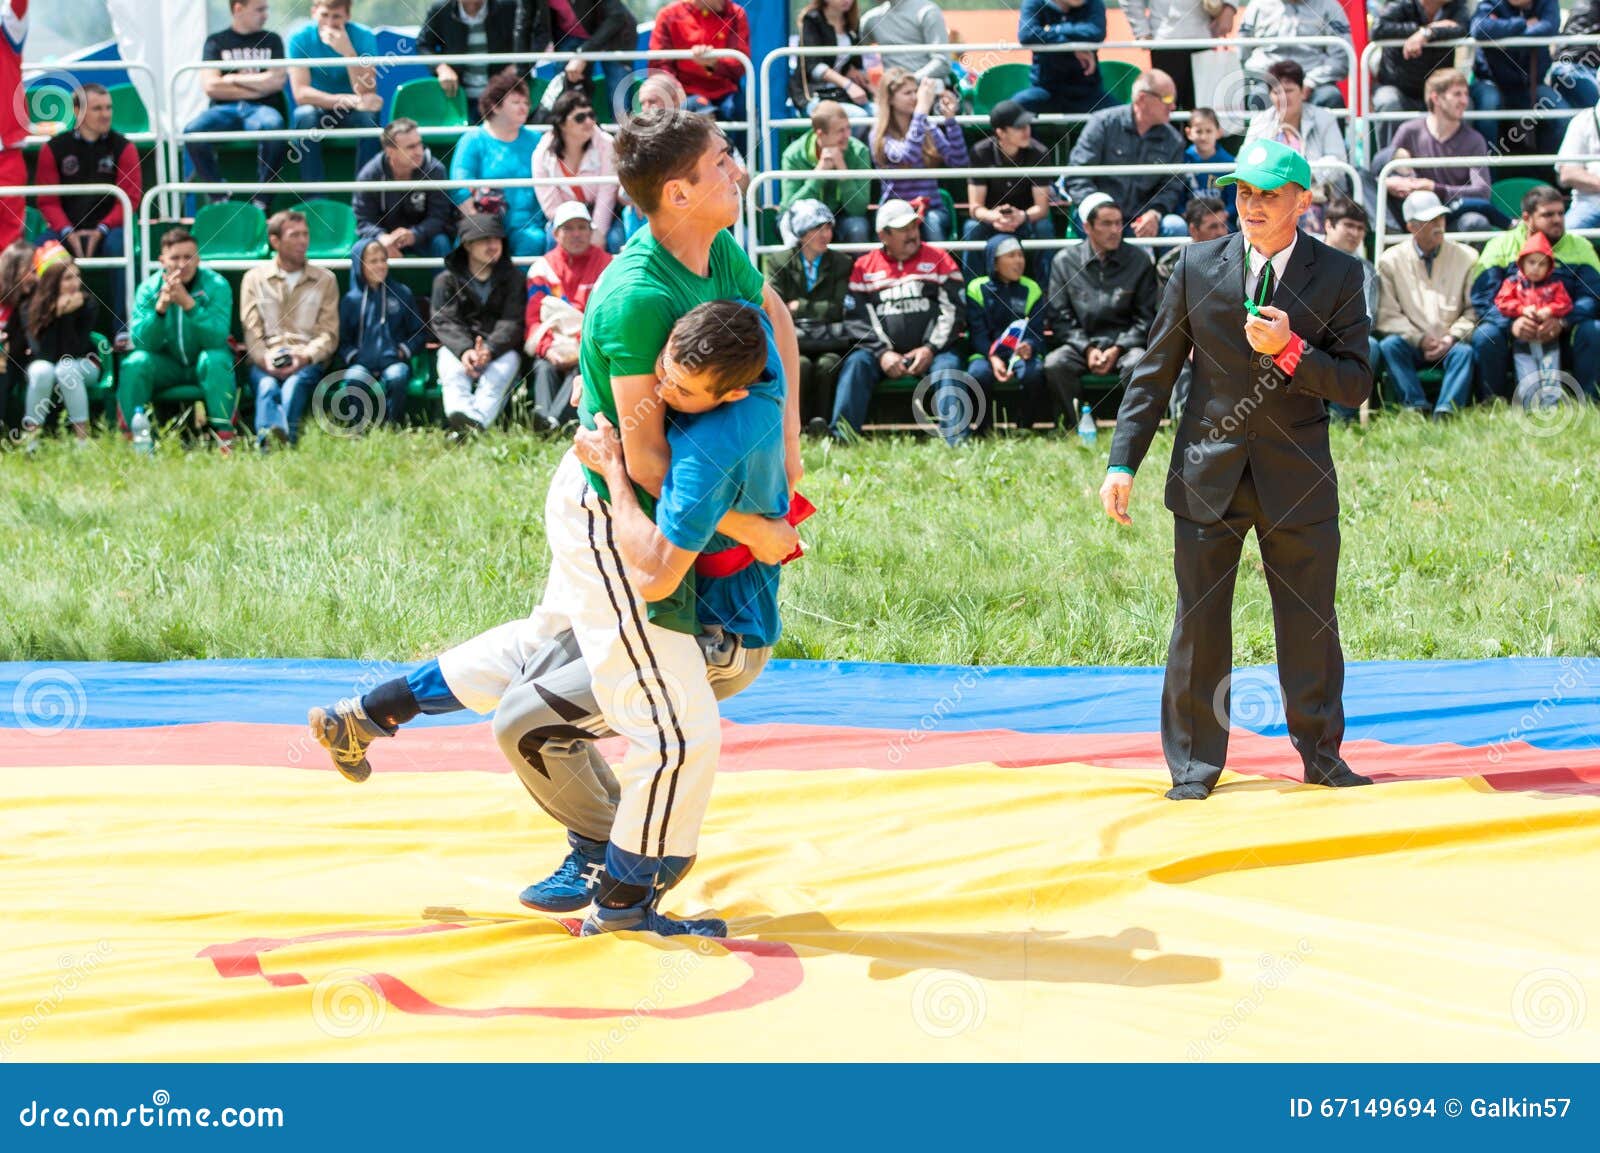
775	970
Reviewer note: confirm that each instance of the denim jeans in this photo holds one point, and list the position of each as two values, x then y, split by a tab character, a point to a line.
1492	344
238	116
1575	83
281	404
1540	136
936	225
1403	359
307	118
392	382
1079	99
1584	215
859	378
1033	401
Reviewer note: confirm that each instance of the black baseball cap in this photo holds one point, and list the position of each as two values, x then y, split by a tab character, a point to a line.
1009	114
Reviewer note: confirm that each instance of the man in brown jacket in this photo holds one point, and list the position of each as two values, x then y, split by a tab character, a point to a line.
1425	308
290	313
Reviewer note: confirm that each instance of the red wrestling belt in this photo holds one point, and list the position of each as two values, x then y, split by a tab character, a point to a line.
735	559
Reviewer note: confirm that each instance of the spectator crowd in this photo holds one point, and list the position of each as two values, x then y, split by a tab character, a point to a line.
1021	292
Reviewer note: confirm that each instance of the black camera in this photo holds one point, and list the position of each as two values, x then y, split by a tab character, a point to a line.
283	358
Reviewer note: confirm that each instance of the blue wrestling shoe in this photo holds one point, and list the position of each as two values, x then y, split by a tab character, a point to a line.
644	918
345	731
571	887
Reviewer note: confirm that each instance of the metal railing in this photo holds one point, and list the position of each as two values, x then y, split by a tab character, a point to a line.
179	137
125	261
753	206
65	70
1369	61
1380	231
770	124
249	188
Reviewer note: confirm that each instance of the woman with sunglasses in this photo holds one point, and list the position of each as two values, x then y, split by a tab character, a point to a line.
577	146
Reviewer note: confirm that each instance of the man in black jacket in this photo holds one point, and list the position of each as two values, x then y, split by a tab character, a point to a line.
1402	72
1102	303
1140	132
406	221
813	280
595	26
1251	451
457	27
477	319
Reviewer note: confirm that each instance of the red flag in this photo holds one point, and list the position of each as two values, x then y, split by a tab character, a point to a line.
1355	11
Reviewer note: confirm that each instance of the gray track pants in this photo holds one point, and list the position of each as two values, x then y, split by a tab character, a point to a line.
548	721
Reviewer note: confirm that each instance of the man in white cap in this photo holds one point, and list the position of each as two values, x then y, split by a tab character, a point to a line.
1102	303
1425	313
813	280
559	283
903	314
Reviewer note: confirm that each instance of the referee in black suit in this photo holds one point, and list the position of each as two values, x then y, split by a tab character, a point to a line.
1277	323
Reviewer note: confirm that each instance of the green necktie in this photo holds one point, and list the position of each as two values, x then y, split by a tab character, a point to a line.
1264	287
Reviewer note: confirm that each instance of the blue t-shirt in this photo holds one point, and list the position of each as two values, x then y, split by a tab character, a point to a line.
730	459
1205	183
480	156
307	45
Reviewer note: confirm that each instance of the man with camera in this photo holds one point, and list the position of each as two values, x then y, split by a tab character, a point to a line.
290	313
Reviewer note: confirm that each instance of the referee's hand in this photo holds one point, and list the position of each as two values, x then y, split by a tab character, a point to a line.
1115	493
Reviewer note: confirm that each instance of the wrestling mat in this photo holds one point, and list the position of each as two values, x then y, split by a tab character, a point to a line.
919	863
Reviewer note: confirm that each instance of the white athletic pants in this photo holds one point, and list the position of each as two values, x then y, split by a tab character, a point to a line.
480	399
649	682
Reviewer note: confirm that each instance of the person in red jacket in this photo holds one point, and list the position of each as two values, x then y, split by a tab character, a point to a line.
91	153
13	119
701	26
1532	292
559	284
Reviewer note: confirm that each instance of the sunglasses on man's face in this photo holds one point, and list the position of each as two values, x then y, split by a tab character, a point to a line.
1169	99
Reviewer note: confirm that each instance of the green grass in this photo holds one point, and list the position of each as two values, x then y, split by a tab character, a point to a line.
1479	539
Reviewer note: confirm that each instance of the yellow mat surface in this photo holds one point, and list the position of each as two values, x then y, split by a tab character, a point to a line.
1064	912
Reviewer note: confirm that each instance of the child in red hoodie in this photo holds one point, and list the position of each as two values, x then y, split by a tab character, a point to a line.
1532	292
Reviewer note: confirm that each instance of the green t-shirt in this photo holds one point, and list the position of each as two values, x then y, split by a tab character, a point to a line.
639	297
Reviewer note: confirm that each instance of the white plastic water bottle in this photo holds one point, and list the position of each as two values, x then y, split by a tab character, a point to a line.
1087	432
143	443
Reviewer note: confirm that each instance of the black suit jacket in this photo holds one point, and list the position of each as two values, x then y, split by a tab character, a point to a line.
443	33
1242	408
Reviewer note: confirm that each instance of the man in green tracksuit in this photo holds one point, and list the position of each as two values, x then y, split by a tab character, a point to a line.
830	147
180	323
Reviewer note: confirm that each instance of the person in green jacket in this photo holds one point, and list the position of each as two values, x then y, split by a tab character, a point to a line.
830	147
181	318
812	280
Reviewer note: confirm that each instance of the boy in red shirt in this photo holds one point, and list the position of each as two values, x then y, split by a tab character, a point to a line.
1532	292
703	25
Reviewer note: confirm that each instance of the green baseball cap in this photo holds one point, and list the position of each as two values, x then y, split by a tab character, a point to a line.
1268	165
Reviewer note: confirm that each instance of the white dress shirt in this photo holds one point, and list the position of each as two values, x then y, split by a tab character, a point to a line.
1254	261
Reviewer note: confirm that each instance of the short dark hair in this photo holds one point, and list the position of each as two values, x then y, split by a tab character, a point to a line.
1200	207
1343	208
279	221
1205	113
502	84
1287	71
173	237
80	98
397	128
657	146
1541	194
723	340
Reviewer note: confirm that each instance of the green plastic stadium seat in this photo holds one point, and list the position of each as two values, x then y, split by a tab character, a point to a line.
333	228
424	396
128	113
1118	76
425	102
1506	195
231	230
35	227
999	82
